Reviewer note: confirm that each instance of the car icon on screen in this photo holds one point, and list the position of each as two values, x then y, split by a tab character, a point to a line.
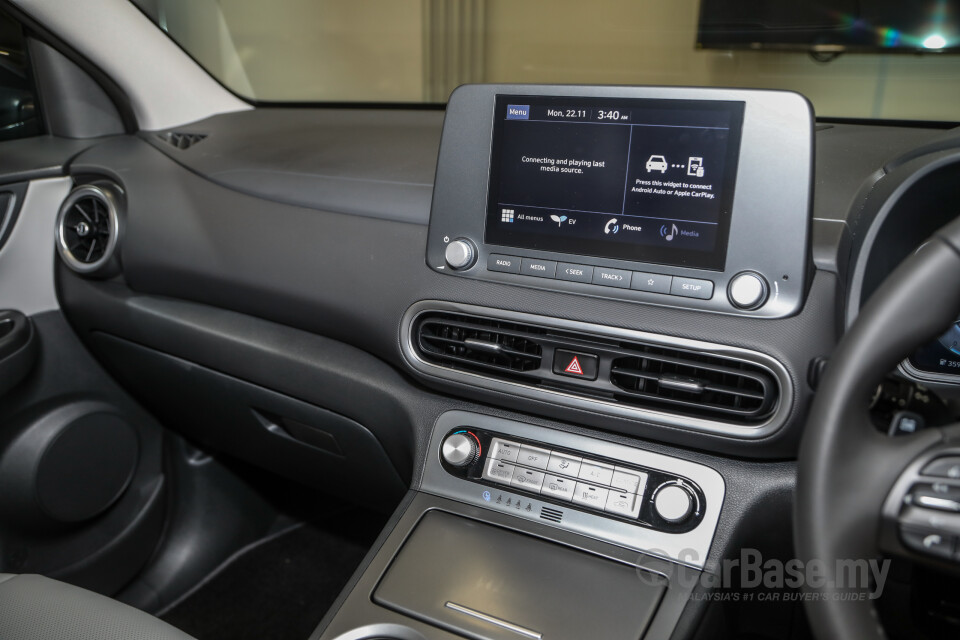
656	163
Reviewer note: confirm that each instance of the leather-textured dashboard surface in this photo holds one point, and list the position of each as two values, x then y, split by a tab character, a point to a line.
318	223
351	278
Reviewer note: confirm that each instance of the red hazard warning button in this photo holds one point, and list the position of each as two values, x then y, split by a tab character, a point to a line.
575	364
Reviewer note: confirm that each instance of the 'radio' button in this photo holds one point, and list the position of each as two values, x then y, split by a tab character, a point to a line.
504	264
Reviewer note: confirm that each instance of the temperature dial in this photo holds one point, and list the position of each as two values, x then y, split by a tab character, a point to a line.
460	449
673	502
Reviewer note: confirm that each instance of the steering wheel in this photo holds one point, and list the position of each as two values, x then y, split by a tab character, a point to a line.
860	493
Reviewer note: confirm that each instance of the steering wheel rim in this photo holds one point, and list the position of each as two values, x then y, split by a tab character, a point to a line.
846	468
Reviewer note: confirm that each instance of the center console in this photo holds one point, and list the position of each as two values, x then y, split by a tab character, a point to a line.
520	531
690	198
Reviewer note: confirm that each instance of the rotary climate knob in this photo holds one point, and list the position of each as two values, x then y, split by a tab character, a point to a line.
460	449
460	254
673	502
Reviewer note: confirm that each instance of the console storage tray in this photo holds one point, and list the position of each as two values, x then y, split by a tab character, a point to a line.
485	581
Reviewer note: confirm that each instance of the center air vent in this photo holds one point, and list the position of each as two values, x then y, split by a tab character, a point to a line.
88	228
695	383
653	377
477	344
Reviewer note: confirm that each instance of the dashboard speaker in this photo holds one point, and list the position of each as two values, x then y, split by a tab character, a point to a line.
66	466
89	227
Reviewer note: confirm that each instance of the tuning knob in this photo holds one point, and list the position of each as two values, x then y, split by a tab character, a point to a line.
460	254
748	290
673	502
460	449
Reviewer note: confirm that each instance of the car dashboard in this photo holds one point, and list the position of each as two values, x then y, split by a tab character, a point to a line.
437	309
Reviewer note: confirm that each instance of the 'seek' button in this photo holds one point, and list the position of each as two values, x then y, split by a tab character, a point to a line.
575	272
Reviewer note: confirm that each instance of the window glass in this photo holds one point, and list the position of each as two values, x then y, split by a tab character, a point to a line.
419	50
19	117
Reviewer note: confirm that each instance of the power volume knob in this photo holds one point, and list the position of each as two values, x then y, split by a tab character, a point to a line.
673	502
460	254
460	449
748	290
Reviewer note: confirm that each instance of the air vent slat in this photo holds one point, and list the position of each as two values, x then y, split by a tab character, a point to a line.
502	331
499	348
677	402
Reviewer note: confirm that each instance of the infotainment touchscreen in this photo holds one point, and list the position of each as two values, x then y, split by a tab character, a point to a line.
644	180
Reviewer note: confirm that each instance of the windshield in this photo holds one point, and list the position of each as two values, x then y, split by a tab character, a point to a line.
418	51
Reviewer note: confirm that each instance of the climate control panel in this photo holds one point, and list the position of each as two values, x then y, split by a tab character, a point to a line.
644	496
642	500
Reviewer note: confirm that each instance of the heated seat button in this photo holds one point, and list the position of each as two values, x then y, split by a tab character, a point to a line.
575	364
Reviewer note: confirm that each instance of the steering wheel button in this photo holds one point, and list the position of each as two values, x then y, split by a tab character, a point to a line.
930	543
946	467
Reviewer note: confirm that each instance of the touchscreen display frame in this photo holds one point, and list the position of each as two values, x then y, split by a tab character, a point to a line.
670	113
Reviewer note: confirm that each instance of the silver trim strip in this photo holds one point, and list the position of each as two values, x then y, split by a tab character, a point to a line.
509	626
752	432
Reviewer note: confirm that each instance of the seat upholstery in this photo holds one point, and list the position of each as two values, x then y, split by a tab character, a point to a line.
36	608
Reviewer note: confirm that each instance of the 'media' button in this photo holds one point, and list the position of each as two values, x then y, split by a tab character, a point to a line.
611	277
538	268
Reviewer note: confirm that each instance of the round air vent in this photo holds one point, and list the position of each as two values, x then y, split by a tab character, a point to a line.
88	228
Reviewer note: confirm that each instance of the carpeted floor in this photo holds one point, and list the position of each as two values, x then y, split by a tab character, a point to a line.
281	588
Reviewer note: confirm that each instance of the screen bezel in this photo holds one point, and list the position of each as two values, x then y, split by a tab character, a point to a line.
714	260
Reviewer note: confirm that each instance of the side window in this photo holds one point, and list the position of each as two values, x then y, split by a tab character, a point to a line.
19	112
